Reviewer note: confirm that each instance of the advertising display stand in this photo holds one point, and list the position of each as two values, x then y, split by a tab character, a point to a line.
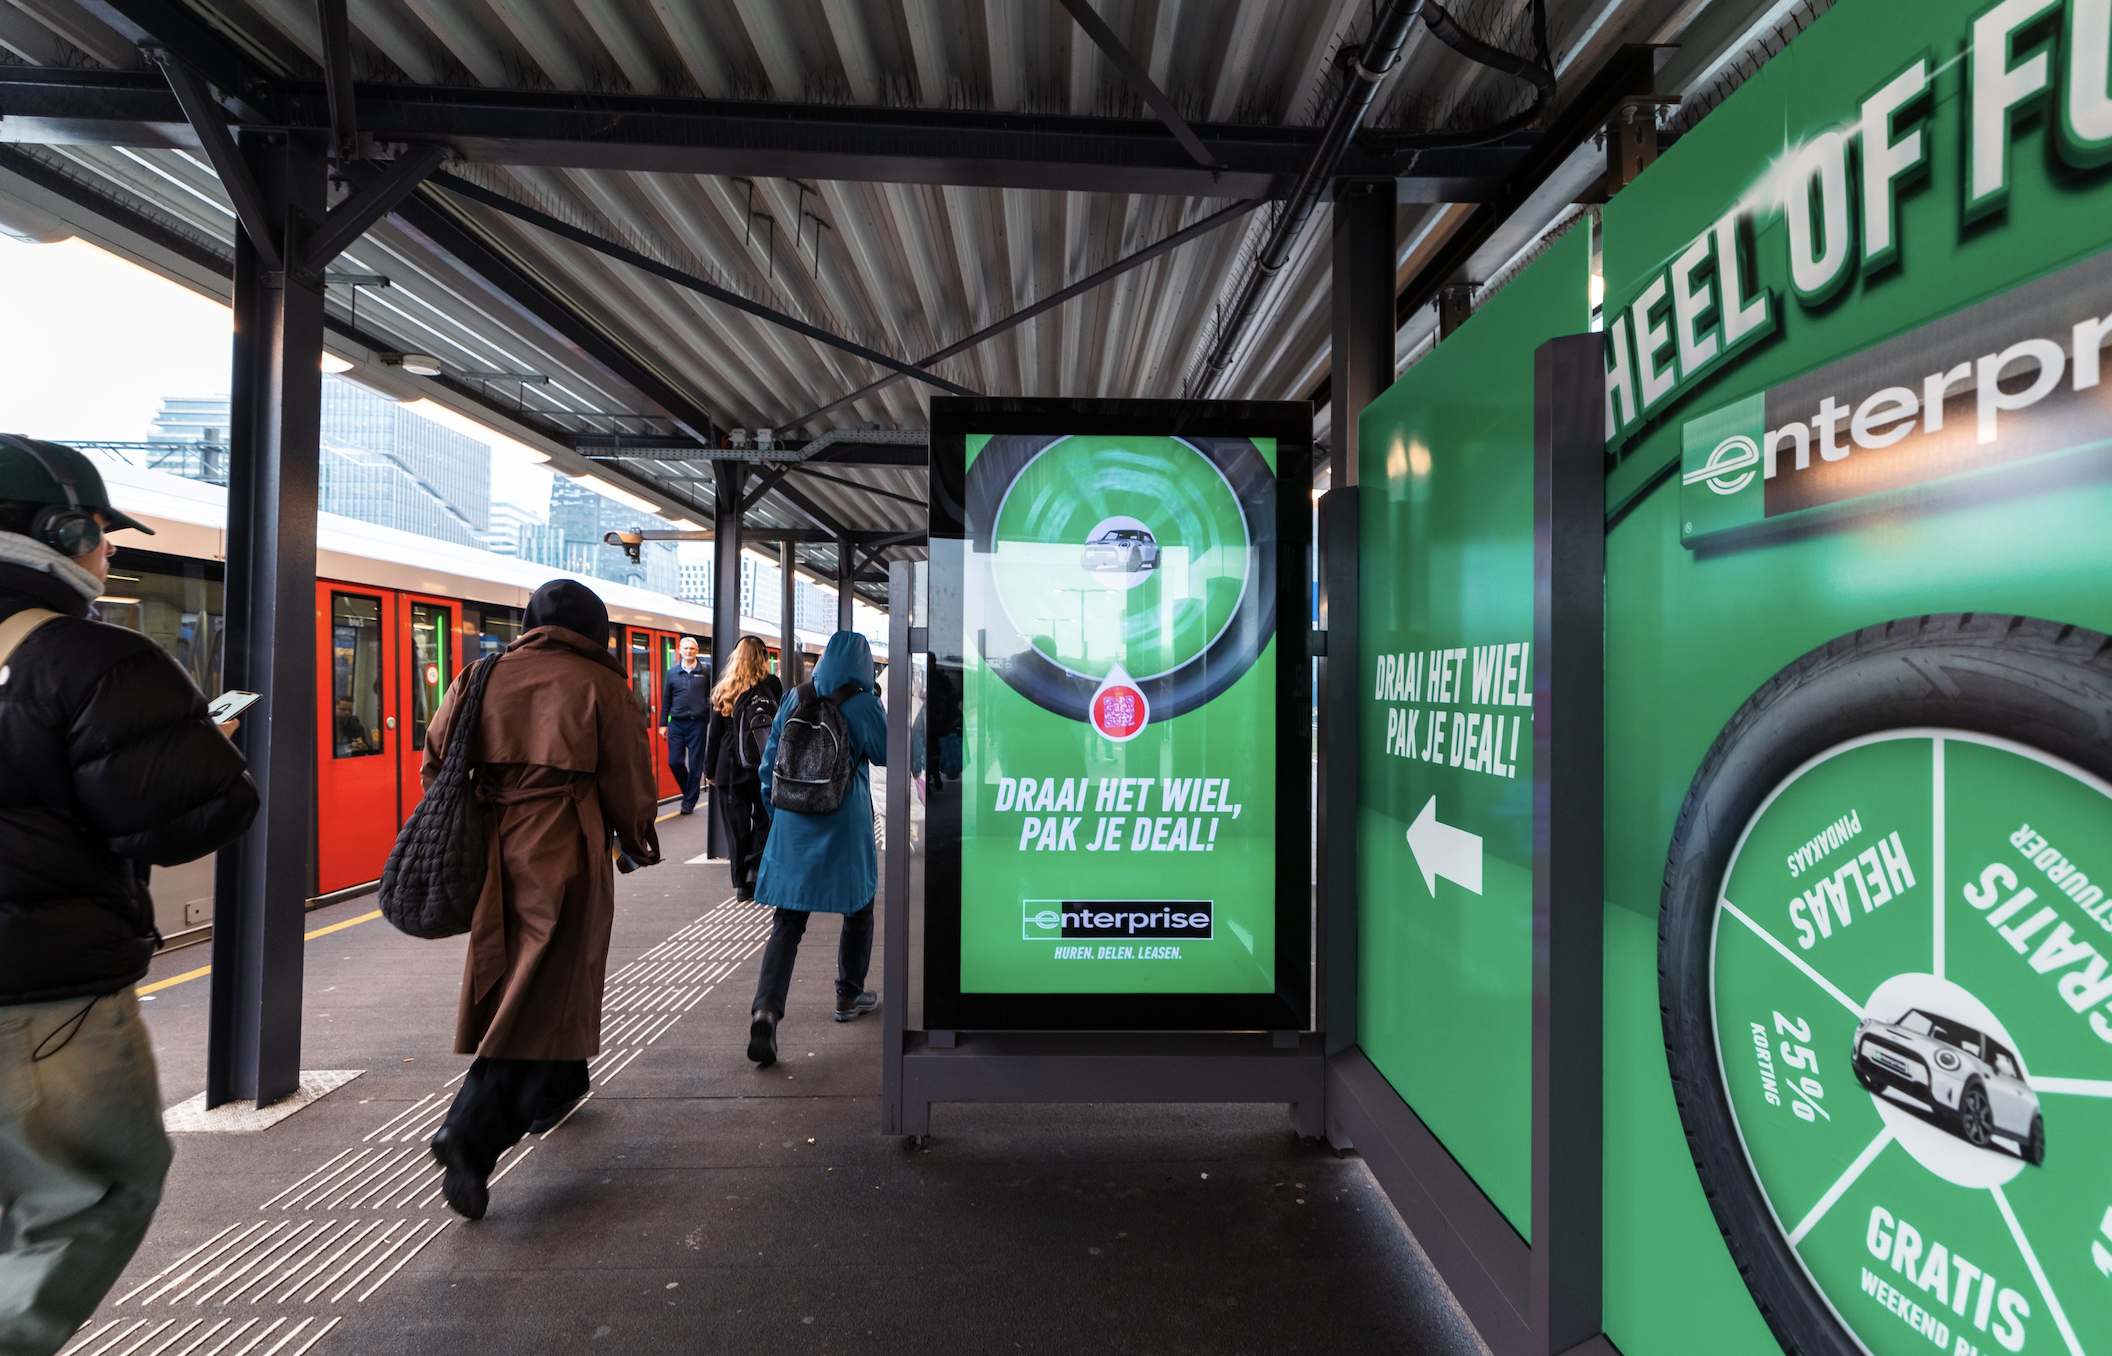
1108	732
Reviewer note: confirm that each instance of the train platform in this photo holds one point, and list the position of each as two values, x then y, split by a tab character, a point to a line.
697	1204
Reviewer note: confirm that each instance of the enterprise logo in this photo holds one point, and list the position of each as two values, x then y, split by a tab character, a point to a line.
1048	920
1734	454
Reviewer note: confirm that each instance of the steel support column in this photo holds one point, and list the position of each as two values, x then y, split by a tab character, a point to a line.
1362	362
846	582
728	481
263	881
787	629
1360	368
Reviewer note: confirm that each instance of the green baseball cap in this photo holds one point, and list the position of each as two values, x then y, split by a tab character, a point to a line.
26	476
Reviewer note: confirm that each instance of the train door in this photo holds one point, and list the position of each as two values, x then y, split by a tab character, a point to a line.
428	655
645	683
664	649
356	804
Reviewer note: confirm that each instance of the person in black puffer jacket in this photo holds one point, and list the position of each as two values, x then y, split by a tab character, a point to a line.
109	765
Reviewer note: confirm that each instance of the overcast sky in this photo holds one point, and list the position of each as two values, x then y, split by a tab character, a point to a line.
95	343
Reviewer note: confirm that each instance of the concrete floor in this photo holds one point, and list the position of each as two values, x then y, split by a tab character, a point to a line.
697	1204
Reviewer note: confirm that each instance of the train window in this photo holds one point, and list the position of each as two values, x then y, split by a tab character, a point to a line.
431	625
642	669
175	603
355	675
495	627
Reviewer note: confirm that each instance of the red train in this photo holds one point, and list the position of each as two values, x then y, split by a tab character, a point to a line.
397	617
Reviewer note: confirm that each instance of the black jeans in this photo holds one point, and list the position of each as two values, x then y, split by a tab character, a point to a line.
747	825
501	1098
854	957
685	758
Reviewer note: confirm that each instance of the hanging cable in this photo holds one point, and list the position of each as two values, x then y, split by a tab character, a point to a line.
1540	74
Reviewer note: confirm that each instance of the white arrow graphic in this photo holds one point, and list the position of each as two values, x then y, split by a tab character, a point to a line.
1441	850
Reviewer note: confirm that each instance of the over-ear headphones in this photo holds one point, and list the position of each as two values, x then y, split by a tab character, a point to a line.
67	528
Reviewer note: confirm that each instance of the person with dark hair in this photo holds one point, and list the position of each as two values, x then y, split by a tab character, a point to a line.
743	705
564	763
109	764
823	863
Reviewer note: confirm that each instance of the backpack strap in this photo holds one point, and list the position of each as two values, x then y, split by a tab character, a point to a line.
804	693
16	629
843	694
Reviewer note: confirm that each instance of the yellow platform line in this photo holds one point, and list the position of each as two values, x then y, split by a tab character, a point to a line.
172	981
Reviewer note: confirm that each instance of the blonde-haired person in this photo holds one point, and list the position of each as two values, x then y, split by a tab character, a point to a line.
745	699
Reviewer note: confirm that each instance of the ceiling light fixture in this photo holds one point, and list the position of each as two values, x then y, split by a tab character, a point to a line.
417	364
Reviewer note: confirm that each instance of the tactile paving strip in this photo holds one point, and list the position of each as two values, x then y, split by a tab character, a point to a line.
327	1242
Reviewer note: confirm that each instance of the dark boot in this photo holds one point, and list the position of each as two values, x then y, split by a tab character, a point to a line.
762	1038
466	1189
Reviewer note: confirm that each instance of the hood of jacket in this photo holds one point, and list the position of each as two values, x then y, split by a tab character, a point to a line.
848	659
31	583
560	638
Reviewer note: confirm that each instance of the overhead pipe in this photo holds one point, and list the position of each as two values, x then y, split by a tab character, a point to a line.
1446	30
1384	44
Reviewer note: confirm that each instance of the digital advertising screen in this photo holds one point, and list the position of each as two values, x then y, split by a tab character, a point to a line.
1114	852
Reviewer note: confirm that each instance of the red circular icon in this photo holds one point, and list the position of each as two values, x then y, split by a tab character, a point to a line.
432	675
1119	711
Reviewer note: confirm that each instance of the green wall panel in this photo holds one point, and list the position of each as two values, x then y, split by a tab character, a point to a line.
1445	964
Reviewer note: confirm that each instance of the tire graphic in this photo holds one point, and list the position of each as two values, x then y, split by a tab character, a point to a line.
1155	555
1885	972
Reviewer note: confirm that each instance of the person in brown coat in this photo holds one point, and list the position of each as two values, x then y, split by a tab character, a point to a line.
563	762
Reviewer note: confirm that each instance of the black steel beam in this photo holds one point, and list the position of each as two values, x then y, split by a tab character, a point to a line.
349	220
808	470
682	447
1139	79
244	79
564	229
1049	302
872	454
778	140
207	119
1629	71
337	78
518	285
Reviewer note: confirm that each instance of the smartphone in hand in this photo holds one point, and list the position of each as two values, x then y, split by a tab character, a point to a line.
230	704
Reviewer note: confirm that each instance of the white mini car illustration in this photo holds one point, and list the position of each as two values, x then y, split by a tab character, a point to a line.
1120	550
1960	1078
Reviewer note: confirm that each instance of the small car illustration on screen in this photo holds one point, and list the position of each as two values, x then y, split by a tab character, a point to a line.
1956	1076
1120	550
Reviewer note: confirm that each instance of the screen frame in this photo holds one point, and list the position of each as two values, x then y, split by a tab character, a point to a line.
1289	1006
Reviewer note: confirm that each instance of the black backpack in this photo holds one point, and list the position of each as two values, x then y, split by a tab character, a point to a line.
813	766
435	872
753	715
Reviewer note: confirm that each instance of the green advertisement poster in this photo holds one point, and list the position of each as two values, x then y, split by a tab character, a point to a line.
1118	820
1895	212
1913	1015
1445	801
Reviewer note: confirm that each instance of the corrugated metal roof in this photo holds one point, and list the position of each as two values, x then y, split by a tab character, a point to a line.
903	268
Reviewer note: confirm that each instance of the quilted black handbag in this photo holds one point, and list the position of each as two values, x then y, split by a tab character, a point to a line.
430	884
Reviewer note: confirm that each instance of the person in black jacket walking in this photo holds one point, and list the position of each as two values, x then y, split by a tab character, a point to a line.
685	709
109	764
746	697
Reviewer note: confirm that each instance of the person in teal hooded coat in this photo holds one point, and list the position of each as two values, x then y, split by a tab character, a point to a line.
823	863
